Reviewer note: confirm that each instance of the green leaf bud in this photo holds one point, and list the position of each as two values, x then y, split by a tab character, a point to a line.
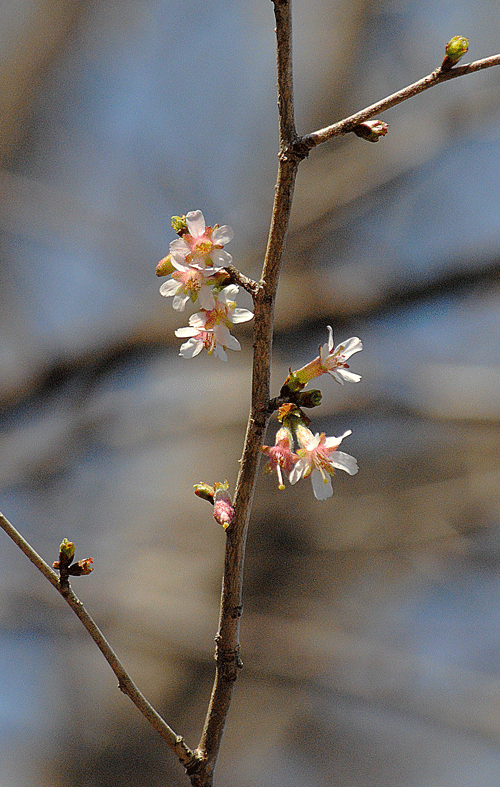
455	50
66	554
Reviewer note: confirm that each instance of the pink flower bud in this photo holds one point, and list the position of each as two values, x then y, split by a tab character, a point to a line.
224	512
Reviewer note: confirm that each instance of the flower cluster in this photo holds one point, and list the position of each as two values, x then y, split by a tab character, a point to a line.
197	262
317	456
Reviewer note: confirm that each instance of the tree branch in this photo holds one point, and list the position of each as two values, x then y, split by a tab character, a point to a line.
306	143
227	640
125	682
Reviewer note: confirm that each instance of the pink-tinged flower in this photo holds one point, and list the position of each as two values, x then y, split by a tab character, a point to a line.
333	359
224	313
189	283
201	246
206	340
281	456
319	459
209	329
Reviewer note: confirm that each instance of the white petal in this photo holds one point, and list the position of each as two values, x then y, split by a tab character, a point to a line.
179	249
322	486
344	374
325	349
220	258
197	320
333	442
241	315
191	348
169	288
180	263
345	462
232	343
222	235
223	337
206	298
297	471
220	353
229	293
187	331
195	223
180	302
207	272
349	347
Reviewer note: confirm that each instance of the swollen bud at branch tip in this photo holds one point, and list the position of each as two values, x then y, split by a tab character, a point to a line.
371	130
67	550
66	554
455	50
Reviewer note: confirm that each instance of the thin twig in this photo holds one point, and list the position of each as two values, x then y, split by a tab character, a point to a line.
125	682
306	143
250	285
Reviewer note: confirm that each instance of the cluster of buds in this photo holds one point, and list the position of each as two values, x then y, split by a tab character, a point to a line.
316	455
197	264
65	564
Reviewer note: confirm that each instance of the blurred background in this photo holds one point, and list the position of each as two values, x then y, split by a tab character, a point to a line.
371	632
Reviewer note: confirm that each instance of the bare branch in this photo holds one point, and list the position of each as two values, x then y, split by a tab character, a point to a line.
309	141
125	682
